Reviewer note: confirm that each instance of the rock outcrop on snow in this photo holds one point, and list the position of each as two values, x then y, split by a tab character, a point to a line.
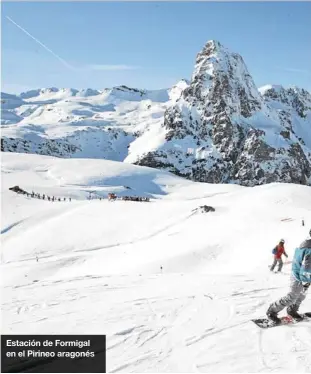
204	209
217	127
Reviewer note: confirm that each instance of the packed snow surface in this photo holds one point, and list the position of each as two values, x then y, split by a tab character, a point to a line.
173	289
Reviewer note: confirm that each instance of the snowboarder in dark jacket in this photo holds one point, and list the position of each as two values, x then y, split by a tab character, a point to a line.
299	284
279	251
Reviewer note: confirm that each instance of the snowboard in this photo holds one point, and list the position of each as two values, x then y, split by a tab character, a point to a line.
266	323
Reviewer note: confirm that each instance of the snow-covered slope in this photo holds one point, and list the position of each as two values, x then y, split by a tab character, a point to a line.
79	123
217	127
99	265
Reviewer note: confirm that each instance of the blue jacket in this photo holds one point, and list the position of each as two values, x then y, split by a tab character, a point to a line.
301	267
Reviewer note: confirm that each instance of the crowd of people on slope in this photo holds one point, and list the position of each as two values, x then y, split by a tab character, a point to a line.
35	195
300	280
113	197
135	198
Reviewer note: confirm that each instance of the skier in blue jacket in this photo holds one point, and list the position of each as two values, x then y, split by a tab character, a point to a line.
299	284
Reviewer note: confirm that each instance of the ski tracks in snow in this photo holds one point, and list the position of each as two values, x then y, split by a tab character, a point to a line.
185	327
143	238
158	323
288	350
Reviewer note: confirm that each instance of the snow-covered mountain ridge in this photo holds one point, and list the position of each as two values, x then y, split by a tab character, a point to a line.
217	127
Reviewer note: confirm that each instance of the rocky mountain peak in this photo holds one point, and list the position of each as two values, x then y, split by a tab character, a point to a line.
235	132
221	81
296	98
211	47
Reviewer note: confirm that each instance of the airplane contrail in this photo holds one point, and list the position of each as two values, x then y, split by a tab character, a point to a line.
42	45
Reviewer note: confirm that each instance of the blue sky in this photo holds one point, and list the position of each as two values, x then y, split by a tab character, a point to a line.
149	45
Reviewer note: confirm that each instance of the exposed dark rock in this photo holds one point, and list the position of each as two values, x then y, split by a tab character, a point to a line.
204	209
285	134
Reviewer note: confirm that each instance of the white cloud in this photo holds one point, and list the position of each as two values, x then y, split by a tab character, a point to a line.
295	70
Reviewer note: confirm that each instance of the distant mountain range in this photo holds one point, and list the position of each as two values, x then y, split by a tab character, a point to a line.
217	127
